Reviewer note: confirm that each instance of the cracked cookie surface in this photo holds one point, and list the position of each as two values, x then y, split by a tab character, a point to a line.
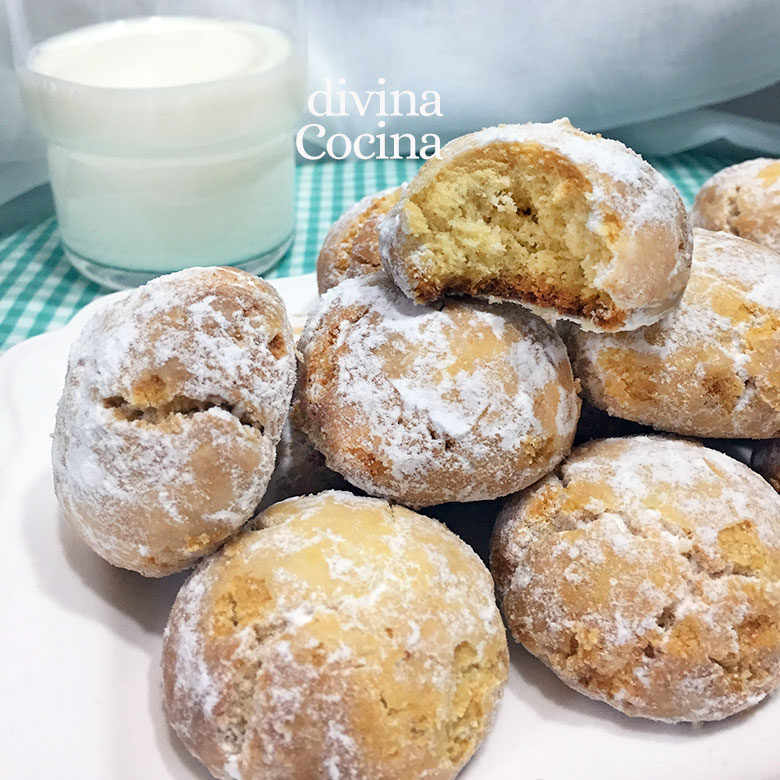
173	405
709	368
346	638
646	573
461	401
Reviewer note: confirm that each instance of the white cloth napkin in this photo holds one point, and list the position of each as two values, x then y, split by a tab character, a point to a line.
636	67
603	64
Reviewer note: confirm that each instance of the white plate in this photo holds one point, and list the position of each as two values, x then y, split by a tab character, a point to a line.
79	657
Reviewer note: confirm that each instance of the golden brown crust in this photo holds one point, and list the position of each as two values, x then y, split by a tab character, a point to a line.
602	313
462	402
347	638
708	368
743	199
351	247
172	409
646	574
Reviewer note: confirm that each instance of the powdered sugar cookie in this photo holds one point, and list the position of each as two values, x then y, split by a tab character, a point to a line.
743	199
461	402
173	406
564	222
351	247
346	639
645	572
709	368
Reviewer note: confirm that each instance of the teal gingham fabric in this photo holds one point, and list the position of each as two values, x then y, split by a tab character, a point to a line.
40	291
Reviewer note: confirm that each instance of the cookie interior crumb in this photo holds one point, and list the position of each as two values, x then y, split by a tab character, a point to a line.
512	221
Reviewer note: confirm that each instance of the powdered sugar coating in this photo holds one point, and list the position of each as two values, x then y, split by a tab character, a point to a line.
633	207
646	573
460	402
173	405
711	367
743	199
346	639
351	246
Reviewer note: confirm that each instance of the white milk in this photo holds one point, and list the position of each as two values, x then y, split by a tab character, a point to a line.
170	140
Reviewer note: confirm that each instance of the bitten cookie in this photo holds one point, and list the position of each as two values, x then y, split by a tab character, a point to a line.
743	199
645	573
173	406
460	402
346	639
709	368
564	222
351	247
766	461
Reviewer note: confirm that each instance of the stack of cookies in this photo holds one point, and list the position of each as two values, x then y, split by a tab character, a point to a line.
461	318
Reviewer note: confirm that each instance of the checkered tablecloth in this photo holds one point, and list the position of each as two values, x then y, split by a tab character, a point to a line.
40	291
